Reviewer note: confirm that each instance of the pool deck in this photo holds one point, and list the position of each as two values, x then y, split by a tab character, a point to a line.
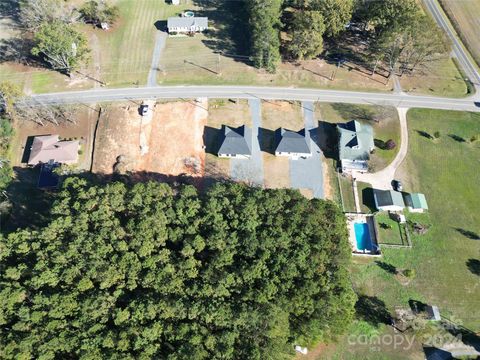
354	218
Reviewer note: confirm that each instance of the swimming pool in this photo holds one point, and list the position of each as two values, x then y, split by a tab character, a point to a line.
362	235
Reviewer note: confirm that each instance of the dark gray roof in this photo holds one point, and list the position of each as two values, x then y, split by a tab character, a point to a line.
236	141
388	198
187	22
293	142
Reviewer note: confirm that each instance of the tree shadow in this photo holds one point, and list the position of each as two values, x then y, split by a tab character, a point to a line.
354	112
417	306
380	144
230	35
211	139
433	353
328	139
30	205
18	50
474	266
387	267
10	9
266	140
457	138
372	310
468	234
424	134
368	199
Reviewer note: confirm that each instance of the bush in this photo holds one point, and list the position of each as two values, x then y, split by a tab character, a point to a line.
474	138
409	273
390	144
436	134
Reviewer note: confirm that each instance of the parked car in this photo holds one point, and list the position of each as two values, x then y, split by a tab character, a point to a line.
397	185
143	109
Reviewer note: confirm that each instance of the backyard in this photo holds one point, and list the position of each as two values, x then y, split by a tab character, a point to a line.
444	258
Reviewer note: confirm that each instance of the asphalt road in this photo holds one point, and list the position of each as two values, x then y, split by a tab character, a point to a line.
252	92
459	51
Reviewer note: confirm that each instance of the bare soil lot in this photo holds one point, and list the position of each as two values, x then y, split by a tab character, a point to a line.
169	145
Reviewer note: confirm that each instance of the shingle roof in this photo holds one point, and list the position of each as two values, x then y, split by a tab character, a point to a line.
187	22
293	142
356	140
388	198
237	141
48	147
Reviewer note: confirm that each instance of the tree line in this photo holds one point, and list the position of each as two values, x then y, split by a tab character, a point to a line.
57	42
400	36
151	271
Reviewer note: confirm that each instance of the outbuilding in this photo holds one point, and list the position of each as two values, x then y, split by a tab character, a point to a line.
388	200
416	202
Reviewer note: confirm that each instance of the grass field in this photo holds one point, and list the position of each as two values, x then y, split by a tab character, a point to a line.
346	188
447	172
465	17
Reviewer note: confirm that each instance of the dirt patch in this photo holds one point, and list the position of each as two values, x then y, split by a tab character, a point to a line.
328	177
276	171
170	143
285	114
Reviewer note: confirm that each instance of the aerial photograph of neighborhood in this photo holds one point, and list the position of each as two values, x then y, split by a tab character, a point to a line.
239	179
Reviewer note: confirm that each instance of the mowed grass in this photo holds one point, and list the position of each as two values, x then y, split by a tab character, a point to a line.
445	170
441	78
384	121
465	17
127	49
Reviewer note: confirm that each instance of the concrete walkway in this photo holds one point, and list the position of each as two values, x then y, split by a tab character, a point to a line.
308	173
251	170
383	179
160	41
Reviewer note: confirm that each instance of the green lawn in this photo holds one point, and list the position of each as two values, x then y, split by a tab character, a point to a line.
444	258
347	194
383	119
389	230
447	172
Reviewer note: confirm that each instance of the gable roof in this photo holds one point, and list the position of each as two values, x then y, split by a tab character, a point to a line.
356	140
289	141
48	147
236	141
388	198
187	22
416	201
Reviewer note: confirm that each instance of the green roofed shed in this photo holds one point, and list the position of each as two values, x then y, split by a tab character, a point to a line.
416	202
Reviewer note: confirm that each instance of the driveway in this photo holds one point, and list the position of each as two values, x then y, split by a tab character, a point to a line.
251	170
383	179
308	173
160	41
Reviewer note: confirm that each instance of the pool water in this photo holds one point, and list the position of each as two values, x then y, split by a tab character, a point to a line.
362	235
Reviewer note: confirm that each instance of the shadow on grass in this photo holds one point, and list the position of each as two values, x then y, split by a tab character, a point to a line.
328	139
474	266
468	234
424	134
368	199
372	310
266	140
457	138
211	139
387	267
354	112
230	35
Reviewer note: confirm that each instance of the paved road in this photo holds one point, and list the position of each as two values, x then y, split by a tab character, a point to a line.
160	40
251	170
252	92
308	173
459	51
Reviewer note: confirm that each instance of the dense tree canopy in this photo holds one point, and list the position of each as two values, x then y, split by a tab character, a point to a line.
60	45
265	33
160	272
307	34
336	13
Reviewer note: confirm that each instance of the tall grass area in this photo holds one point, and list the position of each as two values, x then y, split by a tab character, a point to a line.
447	171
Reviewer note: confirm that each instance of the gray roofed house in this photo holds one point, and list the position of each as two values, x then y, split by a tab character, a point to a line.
48	148
236	142
388	200
292	144
187	24
355	144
